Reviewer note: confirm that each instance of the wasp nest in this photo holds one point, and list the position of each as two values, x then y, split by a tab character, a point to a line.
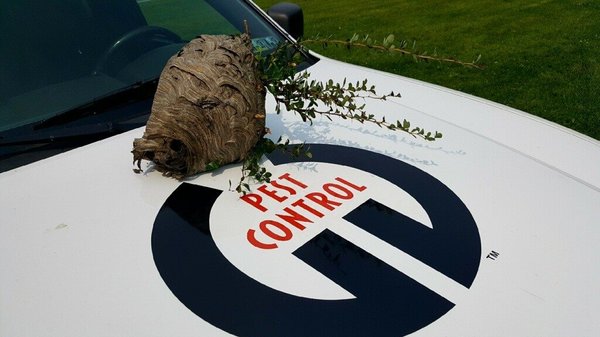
209	108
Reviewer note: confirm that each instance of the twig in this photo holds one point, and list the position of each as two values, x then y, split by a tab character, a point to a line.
416	55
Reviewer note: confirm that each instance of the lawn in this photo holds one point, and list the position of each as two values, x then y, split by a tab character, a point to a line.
540	56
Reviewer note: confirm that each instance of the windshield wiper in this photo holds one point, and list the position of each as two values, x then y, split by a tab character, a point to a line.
67	133
109	114
138	91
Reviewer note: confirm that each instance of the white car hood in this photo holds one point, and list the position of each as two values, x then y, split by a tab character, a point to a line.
76	230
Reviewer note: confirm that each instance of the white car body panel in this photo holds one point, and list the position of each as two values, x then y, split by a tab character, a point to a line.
75	229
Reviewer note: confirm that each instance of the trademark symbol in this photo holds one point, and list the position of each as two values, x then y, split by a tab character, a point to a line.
493	255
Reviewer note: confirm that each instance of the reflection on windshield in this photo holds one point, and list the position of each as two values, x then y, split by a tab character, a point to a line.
62	54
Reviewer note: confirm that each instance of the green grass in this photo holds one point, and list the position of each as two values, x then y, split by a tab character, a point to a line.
540	56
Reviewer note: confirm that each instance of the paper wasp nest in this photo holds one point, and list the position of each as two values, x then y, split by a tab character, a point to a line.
209	107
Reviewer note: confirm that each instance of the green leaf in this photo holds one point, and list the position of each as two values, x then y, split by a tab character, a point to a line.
212	166
405	124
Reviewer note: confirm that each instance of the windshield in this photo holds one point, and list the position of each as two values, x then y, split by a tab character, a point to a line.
76	71
61	54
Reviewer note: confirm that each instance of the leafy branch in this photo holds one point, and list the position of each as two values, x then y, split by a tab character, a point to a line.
305	97
297	93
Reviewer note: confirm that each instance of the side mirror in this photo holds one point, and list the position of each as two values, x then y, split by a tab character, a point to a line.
289	16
